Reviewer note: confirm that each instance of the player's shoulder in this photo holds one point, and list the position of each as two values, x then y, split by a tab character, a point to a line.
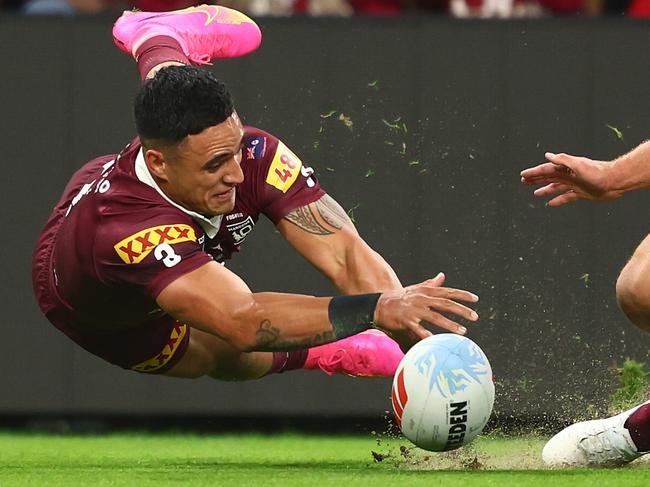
258	144
271	167
136	218
264	148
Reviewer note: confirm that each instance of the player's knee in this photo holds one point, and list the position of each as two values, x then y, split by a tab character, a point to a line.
633	292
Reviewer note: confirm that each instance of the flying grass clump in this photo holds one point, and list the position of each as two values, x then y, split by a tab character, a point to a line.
634	386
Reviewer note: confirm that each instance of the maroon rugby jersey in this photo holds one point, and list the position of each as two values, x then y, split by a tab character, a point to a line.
114	242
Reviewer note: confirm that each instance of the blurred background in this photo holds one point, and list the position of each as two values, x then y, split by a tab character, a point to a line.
344	8
418	120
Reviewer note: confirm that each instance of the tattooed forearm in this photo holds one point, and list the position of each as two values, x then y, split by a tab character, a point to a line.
269	339
316	217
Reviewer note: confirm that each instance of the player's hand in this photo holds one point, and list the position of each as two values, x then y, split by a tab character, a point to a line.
570	178
403	313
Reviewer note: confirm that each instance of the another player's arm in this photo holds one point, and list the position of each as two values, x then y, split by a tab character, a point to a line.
213	299
569	178
323	233
631	171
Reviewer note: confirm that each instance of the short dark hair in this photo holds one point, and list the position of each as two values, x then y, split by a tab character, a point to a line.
180	101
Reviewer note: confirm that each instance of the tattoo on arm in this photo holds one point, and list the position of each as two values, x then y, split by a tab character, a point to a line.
332	212
305	219
329	211
269	339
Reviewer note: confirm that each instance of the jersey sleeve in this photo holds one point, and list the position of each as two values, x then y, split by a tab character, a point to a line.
149	251
283	182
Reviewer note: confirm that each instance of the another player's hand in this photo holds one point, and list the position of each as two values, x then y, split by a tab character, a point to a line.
403	313
571	178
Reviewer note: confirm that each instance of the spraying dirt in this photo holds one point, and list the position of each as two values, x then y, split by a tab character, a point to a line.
490	452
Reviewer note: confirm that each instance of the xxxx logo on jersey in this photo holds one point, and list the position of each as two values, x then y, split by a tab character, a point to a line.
135	248
168	351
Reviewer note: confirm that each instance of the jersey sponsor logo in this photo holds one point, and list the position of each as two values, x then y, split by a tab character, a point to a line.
234	216
240	230
256	148
284	169
133	249
168	351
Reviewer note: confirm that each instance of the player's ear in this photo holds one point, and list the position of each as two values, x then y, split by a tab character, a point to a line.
156	163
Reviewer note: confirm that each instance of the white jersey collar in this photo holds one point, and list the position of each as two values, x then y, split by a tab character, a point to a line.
209	225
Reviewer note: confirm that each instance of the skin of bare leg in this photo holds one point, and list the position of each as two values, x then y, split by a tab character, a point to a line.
633	287
209	355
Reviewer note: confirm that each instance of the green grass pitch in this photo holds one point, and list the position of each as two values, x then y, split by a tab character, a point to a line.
285	460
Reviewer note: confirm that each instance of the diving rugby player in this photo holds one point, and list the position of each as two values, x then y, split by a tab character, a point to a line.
128	265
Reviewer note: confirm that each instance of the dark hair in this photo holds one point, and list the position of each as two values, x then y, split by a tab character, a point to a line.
180	101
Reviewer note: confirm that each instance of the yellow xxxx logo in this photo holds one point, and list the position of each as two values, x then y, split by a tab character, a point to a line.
135	248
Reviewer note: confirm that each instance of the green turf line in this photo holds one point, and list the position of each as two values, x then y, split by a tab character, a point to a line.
284	460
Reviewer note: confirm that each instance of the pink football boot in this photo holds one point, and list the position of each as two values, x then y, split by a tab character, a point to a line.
205	32
371	353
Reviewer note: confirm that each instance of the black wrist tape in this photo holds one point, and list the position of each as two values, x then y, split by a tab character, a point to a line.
352	314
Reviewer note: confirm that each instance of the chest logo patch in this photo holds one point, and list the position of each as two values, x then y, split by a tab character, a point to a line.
240	230
133	249
284	169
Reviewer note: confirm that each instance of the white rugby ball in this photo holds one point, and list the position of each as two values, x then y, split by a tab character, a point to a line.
443	392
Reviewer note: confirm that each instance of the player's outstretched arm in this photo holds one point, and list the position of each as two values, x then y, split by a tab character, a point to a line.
570	178
323	233
217	301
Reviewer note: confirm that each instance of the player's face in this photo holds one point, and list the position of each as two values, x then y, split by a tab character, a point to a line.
205	169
